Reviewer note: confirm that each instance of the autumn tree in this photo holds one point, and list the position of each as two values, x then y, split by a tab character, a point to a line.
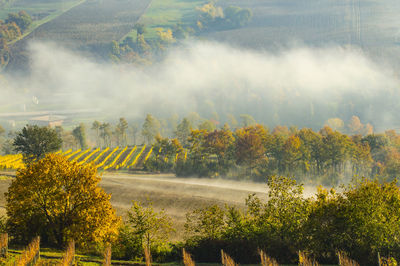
22	20
34	142
291	153
221	144
355	126
165	151
250	145
64	202
335	123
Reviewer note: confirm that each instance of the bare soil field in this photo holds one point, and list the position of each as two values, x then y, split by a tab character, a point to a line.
176	196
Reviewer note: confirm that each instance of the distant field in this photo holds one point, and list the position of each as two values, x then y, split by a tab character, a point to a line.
166	14
89	27
38	9
41	11
372	25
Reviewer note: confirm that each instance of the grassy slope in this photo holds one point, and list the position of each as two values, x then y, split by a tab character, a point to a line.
166	14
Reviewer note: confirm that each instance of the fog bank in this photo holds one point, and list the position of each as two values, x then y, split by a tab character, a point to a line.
298	86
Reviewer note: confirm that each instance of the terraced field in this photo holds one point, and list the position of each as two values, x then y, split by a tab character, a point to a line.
89	28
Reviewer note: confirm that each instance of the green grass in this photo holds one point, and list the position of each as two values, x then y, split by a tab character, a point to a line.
45	10
166	14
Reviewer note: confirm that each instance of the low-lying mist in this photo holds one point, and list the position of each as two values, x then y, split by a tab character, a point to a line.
299	86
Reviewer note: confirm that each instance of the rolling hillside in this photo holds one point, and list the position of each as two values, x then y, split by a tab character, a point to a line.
371	25
89	28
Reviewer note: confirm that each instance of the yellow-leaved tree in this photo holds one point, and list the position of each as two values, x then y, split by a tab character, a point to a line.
60	201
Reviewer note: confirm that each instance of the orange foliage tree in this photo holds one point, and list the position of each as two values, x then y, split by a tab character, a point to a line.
60	200
250	145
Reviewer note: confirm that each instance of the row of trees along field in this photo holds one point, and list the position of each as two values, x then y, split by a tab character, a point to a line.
210	17
60	201
250	151
325	157
10	29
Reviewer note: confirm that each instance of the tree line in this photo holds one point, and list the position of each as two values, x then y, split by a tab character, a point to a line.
326	156
201	147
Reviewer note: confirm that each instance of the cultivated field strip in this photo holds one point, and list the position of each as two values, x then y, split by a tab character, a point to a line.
117	158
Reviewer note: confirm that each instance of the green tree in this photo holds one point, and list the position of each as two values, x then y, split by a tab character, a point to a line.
122	127
134	129
151	128
247	120
207	125
96	127
208	223
79	134
64	202
182	132
140	28
106	133
236	16
150	227
34	142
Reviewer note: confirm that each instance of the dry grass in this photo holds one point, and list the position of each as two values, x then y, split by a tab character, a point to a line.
107	255
266	260
226	260
69	256
344	260
187	259
305	260
30	254
147	256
